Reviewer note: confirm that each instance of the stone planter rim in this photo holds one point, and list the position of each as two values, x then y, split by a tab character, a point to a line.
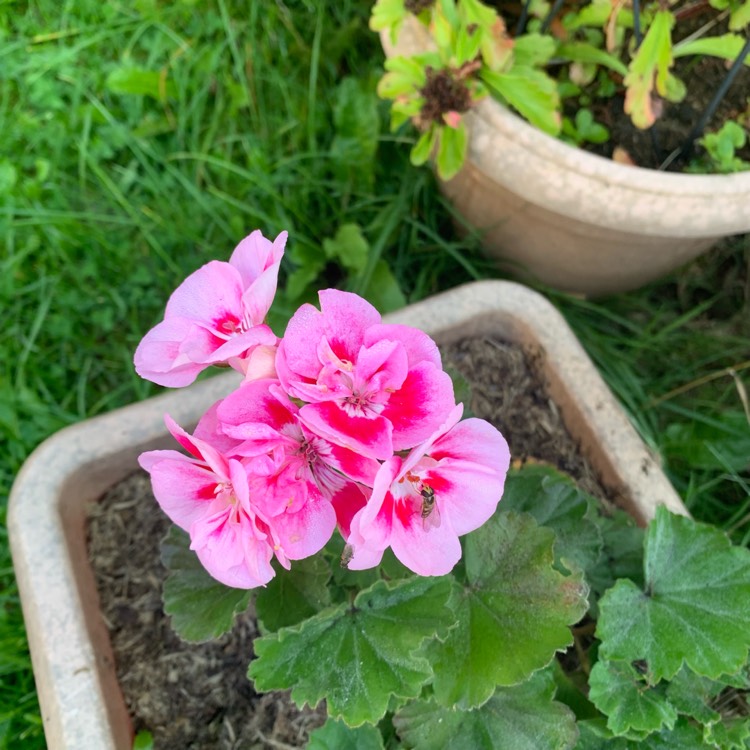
82	705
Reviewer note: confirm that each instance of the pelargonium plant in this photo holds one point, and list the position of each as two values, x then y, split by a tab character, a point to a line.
339	486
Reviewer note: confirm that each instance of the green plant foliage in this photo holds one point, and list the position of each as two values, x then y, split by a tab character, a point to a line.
335	735
695	605
293	595
721	148
200	607
594	735
555	501
357	656
522	717
138	82
510	588
617	690
451	150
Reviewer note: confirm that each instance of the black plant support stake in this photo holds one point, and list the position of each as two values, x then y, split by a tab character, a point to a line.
686	149
553	11
637	23
521	25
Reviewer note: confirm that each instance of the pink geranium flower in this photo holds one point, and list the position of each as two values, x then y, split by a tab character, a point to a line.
216	316
301	477
420	505
208	495
370	387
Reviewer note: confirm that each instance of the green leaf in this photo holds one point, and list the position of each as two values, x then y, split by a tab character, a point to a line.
357	656
555	501
726	47
452	148
695	606
618	691
293	595
594	735
731	734
357	125
648	70
144	740
348	247
533	50
531	92
723	443
201	608
513	612
587	53
422	149
139	82
383	290
335	735
522	717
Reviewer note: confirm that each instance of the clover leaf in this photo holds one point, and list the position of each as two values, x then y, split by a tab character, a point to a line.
201	608
694	608
513	612
358	655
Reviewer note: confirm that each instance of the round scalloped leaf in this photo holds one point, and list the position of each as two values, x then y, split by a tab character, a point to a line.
335	735
522	717
293	595
556	502
617	690
596	736
695	606
201	608
513	612
357	656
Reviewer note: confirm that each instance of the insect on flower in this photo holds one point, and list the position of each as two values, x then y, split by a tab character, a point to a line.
430	513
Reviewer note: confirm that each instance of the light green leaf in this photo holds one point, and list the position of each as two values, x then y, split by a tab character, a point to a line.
387	14
596	736
451	153
200	607
513	612
555	501
335	735
726	47
731	734
357	656
695	606
648	70
690	693
533	50
383	290
587	53
617	690
531	92
293	595
348	247
422	149
522	717
139	82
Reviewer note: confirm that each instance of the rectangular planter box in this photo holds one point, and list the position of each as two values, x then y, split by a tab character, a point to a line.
82	705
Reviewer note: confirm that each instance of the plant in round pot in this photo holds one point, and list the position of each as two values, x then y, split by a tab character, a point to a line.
597	75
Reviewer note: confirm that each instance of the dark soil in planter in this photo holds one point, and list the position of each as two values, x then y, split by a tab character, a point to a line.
199	697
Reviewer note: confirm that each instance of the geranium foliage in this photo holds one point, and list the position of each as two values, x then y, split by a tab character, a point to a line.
397	570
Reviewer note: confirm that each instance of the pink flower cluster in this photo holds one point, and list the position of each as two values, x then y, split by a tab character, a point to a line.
345	422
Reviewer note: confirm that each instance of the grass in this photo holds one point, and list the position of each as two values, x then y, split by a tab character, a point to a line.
142	139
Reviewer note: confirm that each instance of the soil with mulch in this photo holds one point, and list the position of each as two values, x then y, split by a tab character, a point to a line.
198	696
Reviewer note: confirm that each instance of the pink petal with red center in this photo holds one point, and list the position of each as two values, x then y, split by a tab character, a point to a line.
297	356
212	295
381	366
420	406
209	430
183	488
432	552
347	502
371	437
307	531
255	254
160	356
418	345
198	448
347	316
234	552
